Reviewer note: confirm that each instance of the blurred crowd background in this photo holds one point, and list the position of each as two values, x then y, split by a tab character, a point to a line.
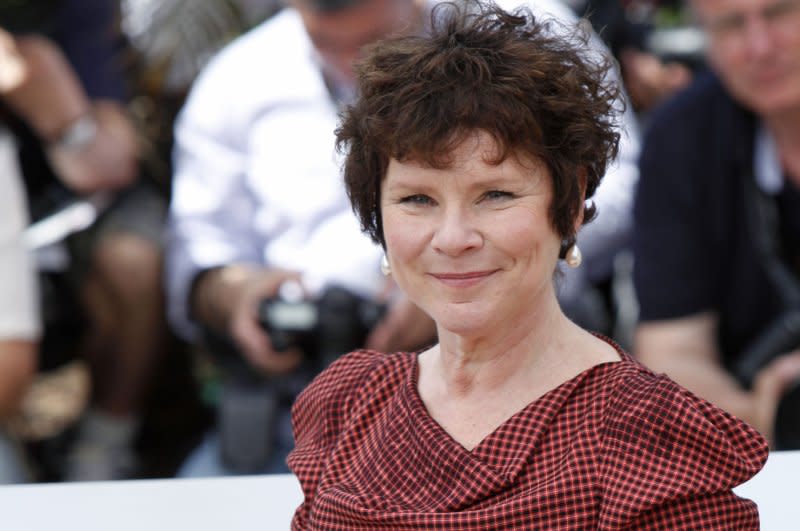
100	377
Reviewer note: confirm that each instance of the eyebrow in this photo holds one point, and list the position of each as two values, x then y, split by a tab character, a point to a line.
738	18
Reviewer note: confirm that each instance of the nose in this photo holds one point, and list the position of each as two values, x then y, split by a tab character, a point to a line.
456	233
758	38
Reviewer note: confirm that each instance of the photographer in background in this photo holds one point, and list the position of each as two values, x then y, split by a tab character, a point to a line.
20	326
649	79
258	200
68	114
717	214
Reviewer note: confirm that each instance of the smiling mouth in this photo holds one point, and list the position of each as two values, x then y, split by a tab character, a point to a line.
463	280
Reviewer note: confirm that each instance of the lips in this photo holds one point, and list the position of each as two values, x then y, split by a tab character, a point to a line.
463	280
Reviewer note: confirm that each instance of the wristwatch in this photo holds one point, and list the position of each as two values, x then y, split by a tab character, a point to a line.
77	135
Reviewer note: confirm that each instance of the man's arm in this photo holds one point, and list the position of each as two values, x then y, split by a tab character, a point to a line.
211	212
20	321
91	144
18	361
685	349
226	299
215	272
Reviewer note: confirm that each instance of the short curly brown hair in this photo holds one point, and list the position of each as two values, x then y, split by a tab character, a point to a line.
533	89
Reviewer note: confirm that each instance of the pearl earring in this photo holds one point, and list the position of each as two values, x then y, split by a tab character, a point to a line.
386	269
574	256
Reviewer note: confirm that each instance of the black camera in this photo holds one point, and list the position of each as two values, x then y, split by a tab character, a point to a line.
324	328
782	336
253	407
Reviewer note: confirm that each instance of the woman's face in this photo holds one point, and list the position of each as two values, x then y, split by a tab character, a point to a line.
472	244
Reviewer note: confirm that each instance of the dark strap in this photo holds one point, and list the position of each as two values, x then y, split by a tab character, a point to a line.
763	223
783	333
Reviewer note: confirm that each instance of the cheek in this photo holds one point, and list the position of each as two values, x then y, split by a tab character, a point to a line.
528	235
404	235
728	64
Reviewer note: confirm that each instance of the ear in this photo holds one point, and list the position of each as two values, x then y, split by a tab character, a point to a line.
582	175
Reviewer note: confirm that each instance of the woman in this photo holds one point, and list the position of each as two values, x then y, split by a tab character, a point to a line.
470	155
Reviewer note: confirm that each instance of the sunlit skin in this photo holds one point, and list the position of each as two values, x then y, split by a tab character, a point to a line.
465	241
472	244
754	45
340	36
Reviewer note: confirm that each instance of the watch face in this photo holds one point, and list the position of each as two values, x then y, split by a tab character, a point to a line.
78	134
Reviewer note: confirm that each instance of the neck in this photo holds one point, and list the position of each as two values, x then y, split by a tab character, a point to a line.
785	129
487	362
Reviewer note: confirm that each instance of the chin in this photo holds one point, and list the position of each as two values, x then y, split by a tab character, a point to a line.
775	100
464	321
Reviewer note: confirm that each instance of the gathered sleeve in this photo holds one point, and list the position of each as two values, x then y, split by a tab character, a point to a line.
318	417
671	460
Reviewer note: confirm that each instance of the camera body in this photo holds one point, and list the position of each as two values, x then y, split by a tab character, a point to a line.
324	328
253	408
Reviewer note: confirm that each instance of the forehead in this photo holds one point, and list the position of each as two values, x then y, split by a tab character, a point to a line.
706	9
362	22
463	145
476	154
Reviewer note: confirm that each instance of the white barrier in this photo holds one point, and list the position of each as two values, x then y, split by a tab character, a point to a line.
218	504
266	502
774	489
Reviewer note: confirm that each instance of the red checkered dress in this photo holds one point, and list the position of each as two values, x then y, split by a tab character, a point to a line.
615	447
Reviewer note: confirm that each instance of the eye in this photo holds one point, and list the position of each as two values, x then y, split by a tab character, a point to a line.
417	199
727	25
494	195
777	11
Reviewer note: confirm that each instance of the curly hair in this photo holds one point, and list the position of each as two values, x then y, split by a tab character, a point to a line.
534	90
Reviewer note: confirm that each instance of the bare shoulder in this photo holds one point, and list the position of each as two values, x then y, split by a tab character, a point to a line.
598	349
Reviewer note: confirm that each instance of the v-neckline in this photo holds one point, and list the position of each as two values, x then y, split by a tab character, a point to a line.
527	424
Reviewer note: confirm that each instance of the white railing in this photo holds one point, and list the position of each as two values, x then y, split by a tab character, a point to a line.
266	502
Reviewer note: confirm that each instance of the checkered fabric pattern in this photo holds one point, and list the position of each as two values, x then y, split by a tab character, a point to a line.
615	447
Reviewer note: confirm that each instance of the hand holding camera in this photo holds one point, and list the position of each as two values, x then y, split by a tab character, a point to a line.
776	392
276	325
225	299
325	327
771	367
